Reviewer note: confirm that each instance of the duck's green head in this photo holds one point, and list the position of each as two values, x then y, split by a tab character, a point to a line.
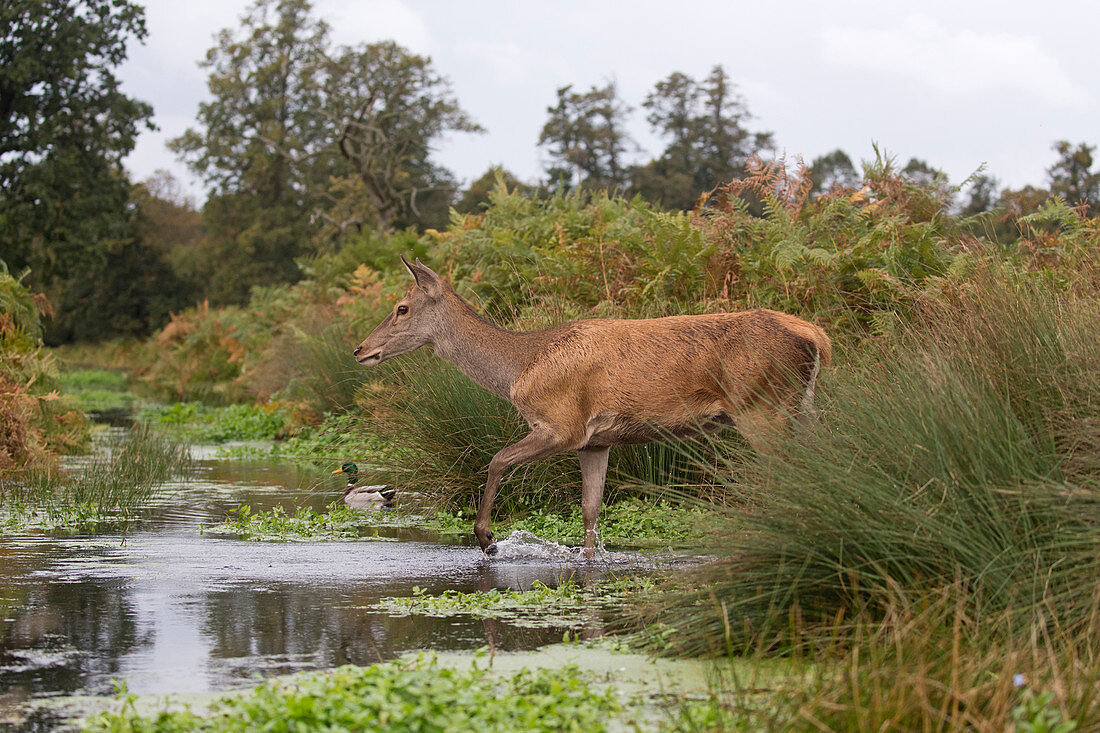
348	468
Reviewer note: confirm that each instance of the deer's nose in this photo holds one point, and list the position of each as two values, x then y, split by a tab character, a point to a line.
357	350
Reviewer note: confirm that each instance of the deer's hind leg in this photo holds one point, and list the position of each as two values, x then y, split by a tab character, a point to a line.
593	476
540	443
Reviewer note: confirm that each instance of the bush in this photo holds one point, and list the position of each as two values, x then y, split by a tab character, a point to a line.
35	423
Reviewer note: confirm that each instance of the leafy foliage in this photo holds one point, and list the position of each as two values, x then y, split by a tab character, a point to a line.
409	694
35	423
195	422
631	522
64	128
540	606
339	522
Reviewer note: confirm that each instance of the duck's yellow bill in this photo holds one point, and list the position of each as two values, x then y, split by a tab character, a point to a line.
339	470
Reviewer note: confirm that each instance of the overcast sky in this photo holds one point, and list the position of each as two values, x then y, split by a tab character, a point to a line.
955	83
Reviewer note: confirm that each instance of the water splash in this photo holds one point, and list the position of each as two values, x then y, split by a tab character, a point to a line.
524	545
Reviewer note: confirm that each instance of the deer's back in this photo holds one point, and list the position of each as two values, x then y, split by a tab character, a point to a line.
636	380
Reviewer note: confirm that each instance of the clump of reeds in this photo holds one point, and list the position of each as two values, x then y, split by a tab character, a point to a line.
925	661
125	476
960	453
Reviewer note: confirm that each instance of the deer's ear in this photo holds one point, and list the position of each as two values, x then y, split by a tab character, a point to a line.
425	278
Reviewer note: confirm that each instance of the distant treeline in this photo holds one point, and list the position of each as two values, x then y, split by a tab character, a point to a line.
307	148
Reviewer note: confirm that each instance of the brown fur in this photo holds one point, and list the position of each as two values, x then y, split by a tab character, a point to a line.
593	384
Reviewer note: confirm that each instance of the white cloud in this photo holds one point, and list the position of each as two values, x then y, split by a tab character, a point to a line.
511	63
956	61
357	21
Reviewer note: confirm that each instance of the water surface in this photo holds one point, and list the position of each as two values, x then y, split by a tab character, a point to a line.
172	610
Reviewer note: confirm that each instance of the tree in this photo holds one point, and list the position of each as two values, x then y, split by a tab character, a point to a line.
169	223
64	129
587	139
709	144
1072	177
922	174
387	106
832	170
260	144
983	195
475	198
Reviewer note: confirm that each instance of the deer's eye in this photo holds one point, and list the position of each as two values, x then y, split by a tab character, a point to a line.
402	310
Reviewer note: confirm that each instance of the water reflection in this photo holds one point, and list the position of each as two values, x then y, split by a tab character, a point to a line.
183	613
171	610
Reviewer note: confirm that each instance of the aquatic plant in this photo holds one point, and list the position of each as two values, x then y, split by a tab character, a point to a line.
408	694
568	604
124	476
338	522
540	606
632	522
635	521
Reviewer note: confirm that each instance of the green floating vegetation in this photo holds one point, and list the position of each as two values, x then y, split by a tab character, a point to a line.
630	522
275	525
540	607
410	694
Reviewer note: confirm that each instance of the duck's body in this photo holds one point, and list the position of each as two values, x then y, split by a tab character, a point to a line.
367	498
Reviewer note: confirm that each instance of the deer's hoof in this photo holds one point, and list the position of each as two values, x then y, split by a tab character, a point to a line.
491	549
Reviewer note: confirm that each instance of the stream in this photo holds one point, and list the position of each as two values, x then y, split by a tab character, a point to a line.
170	609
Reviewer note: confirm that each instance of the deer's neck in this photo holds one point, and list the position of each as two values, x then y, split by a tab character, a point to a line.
487	354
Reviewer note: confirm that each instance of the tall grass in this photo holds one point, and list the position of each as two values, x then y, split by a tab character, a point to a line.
924	662
962	453
125	475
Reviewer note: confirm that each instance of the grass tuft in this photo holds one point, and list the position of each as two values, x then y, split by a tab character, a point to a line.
125	476
957	455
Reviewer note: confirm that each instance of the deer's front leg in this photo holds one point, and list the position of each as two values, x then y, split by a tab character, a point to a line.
541	443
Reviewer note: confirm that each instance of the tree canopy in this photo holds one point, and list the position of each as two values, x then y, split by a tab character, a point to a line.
387	106
587	139
708	143
65	127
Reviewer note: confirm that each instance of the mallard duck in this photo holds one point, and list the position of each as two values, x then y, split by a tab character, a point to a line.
364	497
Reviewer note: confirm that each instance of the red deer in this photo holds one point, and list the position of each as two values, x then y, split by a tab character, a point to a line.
592	384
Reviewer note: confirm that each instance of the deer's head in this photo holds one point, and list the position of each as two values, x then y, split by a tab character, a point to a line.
413	321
